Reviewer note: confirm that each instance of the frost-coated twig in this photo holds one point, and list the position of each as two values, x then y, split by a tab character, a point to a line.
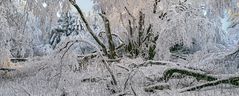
135	94
94	79
113	34
128	81
29	94
120	66
131	25
117	36
152	62
130	13
99	52
65	46
157	86
233	55
155	6
61	63
92	55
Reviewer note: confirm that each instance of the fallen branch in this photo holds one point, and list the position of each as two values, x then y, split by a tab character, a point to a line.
14	60
123	67
158	86
166	63
232	80
151	62
91	80
213	80
7	69
197	74
90	56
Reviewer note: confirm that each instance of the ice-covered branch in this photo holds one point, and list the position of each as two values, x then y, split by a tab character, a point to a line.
232	80
89	28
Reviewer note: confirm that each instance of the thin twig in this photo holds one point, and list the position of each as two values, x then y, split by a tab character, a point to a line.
130	77
135	94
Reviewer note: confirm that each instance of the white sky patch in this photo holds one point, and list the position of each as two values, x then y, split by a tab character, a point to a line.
58	14
204	12
224	21
44	4
203	6
85	5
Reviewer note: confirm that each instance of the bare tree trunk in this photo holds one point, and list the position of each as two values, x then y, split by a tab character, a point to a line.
112	53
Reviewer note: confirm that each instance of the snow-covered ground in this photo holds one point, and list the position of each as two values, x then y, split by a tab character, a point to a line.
41	77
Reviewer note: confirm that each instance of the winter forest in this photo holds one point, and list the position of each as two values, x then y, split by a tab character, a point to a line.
119	48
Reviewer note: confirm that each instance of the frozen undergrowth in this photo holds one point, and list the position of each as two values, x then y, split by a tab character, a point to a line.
40	76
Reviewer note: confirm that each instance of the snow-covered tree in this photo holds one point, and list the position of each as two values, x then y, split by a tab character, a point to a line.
15	35
68	25
177	22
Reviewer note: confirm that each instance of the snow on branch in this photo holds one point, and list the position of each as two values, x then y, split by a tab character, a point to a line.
232	80
183	71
